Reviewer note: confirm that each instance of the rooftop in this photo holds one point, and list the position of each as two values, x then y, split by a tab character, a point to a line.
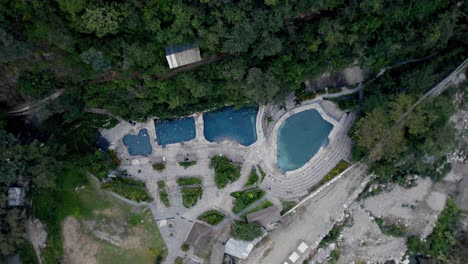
183	54
15	196
265	216
199	235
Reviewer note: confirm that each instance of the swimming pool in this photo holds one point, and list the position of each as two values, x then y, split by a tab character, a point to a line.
175	130
300	137
138	144
232	124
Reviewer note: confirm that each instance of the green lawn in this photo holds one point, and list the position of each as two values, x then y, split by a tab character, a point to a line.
253	178
262	205
79	196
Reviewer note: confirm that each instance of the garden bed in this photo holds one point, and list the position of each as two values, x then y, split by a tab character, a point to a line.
212	217
253	178
191	195
189	181
245	198
225	171
187	164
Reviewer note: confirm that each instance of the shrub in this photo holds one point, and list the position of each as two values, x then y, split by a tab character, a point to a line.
212	217
334	256
390	229
159	166
190	195
164	197
187	164
161	184
185	247
303	95
128	188
225	171
247	232
253	178
189	181
442	240
332	236
246	198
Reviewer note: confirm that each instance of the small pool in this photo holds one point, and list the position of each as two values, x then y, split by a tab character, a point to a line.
231	124
300	137
175	130
138	144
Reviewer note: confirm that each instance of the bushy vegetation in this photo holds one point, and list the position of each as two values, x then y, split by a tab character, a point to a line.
191	195
36	84
159	166
442	241
128	188
161	184
212	217
395	230
253	178
189	181
334	256
246	231
187	164
346	102
225	171
339	168
245	198
332	236
101	163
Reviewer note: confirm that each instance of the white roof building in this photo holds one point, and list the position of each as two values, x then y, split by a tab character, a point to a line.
180	55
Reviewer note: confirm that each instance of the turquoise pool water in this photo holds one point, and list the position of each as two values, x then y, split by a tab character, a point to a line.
138	144
300	137
231	124
175	130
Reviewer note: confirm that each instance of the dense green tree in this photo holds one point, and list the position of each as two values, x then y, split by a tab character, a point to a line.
36	84
12	230
96	59
247	232
102	21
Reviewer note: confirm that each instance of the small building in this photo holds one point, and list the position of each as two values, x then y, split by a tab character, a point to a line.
180	55
15	196
240	248
199	236
265	217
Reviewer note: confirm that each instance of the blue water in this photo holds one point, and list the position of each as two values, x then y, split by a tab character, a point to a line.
175	130
231	124
300	137
138	144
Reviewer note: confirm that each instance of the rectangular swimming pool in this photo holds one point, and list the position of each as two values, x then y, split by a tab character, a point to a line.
175	130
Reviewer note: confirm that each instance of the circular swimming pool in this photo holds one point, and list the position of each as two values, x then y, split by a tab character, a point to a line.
300	138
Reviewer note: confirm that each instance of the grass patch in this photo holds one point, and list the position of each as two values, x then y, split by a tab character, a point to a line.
253	178
191	195
128	188
262	205
246	198
212	217
287	205
187	164
164	197
189	181
262	173
225	171
77	195
390	229
339	168
159	166
161	184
